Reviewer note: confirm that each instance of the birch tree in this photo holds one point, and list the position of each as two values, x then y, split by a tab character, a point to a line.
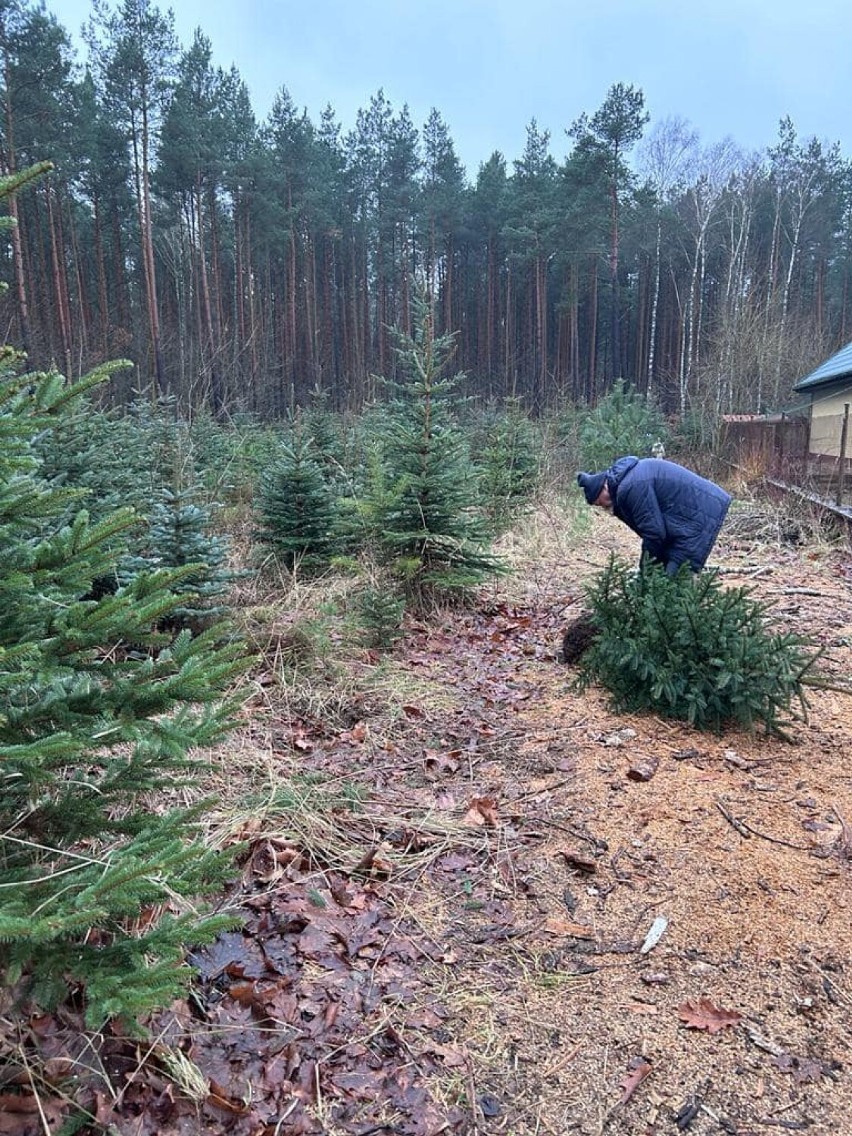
803	176
667	158
715	167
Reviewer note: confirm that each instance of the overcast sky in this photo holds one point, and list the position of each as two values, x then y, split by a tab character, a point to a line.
729	67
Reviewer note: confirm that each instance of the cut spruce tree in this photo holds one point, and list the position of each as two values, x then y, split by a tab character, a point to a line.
686	647
101	881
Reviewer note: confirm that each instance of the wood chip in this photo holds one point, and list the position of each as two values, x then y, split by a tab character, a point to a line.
557	926
643	768
579	861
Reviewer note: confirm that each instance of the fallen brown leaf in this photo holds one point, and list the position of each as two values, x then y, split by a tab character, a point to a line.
703	1014
481	811
438	764
220	1098
638	1069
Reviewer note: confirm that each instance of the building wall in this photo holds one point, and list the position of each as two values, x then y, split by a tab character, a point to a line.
827	413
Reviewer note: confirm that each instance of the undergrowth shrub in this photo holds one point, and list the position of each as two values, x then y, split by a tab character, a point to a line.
687	648
508	450
624	422
300	511
379	611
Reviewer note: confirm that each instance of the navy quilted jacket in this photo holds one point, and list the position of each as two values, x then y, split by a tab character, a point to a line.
676	513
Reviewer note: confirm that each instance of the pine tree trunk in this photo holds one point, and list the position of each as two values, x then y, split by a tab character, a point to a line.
143	201
508	369
208	340
381	310
575	330
541	331
150	296
449	286
125	311
217	292
591	378
253	326
12	204
311	331
59	288
100	267
327	348
352	356
82	327
368	355
491	304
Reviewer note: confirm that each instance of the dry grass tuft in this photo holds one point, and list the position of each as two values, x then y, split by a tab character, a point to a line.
790	523
541	545
184	1073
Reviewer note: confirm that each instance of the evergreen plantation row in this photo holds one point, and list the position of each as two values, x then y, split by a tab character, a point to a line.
250	267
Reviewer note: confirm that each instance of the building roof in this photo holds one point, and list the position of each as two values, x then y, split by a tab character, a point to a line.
839	366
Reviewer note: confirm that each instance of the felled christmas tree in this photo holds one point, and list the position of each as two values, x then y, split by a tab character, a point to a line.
688	648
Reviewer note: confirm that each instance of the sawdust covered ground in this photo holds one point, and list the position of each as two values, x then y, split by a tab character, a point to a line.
734	855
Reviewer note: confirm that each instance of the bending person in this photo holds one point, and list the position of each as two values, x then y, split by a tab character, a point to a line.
676	513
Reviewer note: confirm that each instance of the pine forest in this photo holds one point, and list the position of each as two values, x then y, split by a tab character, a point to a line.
248	266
